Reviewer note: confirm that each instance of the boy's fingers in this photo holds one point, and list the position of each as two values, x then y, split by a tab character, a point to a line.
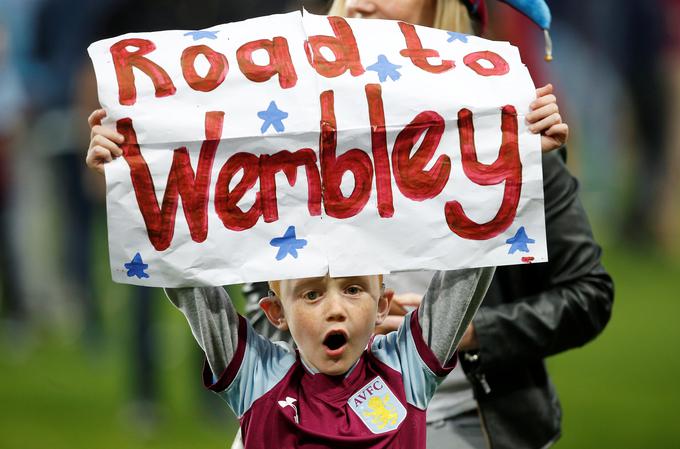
542	101
104	142
544	124
560	130
539	114
554	137
96	157
99	154
96	117
544	90
110	134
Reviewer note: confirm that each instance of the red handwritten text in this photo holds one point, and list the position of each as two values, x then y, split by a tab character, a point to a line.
324	176
346	58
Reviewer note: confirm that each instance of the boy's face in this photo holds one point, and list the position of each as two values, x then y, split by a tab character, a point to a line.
330	319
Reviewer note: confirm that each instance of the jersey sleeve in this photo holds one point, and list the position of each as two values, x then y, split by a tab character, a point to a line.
241	365
423	347
258	365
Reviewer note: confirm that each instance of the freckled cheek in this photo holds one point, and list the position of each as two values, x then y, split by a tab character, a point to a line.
303	329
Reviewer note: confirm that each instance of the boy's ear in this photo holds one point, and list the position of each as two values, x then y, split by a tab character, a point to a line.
384	305
271	305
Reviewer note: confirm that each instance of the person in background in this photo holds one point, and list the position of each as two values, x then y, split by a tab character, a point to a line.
12	107
500	396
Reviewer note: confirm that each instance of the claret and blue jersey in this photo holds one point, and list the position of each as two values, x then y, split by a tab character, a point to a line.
379	403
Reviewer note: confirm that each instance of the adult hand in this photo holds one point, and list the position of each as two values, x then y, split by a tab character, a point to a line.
400	306
469	341
103	142
545	119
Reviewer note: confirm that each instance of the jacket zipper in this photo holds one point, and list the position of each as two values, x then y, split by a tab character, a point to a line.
481	378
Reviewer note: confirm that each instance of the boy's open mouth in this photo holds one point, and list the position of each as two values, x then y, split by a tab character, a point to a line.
334	342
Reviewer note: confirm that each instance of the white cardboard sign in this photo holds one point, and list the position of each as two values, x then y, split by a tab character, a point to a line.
296	145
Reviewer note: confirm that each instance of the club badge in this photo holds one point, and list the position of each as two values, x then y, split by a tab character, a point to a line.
377	406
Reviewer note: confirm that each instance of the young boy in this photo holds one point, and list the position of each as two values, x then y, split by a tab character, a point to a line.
343	386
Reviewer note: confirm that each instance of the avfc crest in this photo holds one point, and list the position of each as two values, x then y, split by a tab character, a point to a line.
377	406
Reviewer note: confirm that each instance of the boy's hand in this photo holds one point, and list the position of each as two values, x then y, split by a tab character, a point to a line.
103	142
545	119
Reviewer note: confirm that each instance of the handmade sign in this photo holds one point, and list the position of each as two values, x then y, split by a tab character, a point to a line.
297	145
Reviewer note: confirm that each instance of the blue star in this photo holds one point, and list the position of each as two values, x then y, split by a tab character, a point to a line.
385	69
202	34
453	36
273	116
136	267
288	244
519	241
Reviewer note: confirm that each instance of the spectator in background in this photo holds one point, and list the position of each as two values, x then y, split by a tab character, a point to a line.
12	108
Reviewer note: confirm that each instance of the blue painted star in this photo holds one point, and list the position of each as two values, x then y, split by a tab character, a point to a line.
136	267
453	36
273	116
288	244
202	34
385	69
519	241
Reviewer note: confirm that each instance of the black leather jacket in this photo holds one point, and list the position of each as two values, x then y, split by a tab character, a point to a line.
533	311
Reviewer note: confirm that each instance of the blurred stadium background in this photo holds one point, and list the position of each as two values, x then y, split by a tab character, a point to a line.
73	373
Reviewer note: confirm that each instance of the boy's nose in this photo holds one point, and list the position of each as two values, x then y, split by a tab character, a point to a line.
360	8
335	311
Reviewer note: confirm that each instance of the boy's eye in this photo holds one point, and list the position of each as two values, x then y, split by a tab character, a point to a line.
353	290
311	295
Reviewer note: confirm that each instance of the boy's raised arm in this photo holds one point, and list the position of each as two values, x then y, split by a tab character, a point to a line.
213	321
448	307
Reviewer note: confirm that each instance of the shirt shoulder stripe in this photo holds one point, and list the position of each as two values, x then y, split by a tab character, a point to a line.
230	372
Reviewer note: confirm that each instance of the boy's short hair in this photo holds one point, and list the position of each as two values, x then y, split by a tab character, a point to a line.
275	286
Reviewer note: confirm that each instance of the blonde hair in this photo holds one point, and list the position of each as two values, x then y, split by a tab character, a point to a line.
449	15
275	286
